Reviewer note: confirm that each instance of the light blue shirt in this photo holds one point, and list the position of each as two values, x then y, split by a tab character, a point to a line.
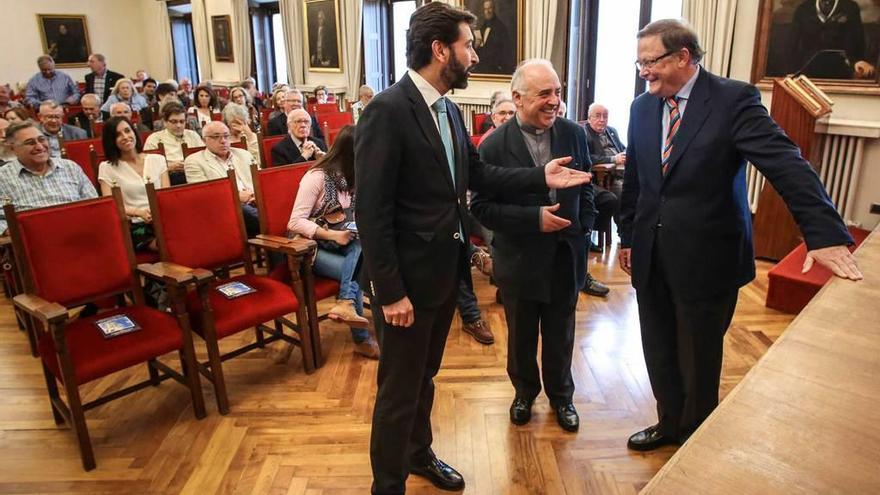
60	88
683	94
137	103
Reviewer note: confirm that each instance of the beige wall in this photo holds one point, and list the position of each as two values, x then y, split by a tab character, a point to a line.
223	72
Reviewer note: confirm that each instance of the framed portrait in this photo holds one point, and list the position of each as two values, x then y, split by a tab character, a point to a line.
836	43
498	37
221	29
321	19
65	39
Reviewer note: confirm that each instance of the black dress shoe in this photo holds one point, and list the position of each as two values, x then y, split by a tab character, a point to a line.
520	411
440	474
648	439
567	417
595	248
595	288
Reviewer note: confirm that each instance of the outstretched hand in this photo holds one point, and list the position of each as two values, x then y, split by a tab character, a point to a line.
557	176
838	259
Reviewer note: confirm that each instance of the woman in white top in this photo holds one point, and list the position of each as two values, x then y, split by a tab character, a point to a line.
130	169
204	103
124	92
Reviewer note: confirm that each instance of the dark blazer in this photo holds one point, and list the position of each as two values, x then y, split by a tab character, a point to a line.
701	204
523	255
80	120
278	126
597	152
109	82
286	151
408	211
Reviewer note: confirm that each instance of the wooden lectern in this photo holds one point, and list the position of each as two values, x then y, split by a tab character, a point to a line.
797	103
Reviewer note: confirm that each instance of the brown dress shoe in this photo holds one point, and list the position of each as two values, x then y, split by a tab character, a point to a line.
368	348
480	331
344	312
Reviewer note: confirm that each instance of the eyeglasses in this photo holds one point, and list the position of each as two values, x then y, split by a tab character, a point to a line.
302	121
176	121
34	141
648	64
52	117
220	137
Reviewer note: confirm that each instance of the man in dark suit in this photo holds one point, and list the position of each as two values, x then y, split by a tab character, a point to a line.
100	81
296	147
539	242
90	113
686	233
293	100
414	163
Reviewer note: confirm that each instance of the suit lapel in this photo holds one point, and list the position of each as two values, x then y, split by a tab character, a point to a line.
653	121
426	123
516	144
695	114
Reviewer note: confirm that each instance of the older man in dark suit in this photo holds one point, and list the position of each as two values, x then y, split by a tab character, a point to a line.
293	100
297	146
539	242
686	231
100	81
414	163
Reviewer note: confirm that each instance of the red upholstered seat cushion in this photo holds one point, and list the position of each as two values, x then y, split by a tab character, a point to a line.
271	300
94	356
324	287
146	257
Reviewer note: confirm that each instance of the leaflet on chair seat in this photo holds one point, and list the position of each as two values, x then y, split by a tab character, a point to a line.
232	290
115	326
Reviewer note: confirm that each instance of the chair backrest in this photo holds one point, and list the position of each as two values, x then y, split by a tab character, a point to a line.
264	118
330	135
189	151
323	108
240	144
216	116
200	225
275	191
79	150
76	252
145	135
266	145
97	129
475	140
72	109
477	122
160	150
335	120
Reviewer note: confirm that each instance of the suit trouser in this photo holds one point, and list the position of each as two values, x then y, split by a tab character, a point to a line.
683	343
409	360
555	320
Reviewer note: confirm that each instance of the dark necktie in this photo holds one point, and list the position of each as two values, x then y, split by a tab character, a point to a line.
674	124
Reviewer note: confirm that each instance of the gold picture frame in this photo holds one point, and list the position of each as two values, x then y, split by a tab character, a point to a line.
221	32
323	45
65	38
497	61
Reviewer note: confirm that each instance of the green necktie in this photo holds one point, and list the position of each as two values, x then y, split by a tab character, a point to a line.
445	134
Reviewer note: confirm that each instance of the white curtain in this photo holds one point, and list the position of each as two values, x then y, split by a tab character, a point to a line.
291	18
241	25
713	20
200	33
540	22
163	62
350	31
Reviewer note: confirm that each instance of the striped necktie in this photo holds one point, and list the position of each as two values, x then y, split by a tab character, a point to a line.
674	124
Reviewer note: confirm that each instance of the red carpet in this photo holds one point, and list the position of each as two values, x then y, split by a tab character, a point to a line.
790	290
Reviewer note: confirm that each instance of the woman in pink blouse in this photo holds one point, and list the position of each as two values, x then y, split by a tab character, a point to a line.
329	186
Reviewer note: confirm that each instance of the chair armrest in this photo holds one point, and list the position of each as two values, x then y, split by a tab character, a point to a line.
36	306
5	241
173	273
296	247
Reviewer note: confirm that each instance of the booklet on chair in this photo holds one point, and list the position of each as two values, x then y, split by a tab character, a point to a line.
115	326
235	289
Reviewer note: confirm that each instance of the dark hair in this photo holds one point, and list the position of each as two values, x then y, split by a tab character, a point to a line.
172	108
108	138
165	88
340	158
320	87
149	80
675	35
13	129
212	103
433	21
20	111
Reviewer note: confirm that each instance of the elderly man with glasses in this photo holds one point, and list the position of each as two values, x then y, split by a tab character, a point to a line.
297	146
53	127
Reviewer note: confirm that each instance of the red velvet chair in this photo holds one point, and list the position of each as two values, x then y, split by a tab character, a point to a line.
477	123
322	108
275	192
335	121
266	145
186	238
97	129
75	352
79	150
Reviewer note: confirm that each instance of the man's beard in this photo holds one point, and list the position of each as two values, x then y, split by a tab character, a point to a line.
454	74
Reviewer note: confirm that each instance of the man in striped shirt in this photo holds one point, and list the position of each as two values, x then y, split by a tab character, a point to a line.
34	180
49	84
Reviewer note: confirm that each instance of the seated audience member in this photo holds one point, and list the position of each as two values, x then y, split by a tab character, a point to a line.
296	146
293	100
55	130
250	85
124	92
91	112
6	154
503	110
6	101
322	95
604	142
328	187
487	122
140	77
49	84
17	114
101	81
130	169
235	117
172	136
121	109
204	105
213	162
365	94
34	179
165	92
277	101
240	96
149	91
184	92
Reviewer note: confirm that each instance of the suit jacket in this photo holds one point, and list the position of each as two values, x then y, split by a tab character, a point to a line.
523	255
109	82
597	152
278	126
286	151
201	166
409	210
82	121
68	132
701	205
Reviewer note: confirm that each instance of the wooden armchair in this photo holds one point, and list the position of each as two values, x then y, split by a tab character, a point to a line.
75	351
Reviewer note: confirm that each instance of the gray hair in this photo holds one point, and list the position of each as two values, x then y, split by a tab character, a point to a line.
90	96
593	106
234	111
247	97
499	101
50	104
45	58
675	34
13	129
517	83
99	57
121	104
290	116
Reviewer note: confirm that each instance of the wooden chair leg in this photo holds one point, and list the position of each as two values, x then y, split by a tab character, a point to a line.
52	388
189	367
154	373
217	375
261	343
78	422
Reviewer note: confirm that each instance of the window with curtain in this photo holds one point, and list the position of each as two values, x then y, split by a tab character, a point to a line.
263	45
185	62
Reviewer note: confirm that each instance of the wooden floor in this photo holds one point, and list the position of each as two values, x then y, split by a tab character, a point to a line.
292	433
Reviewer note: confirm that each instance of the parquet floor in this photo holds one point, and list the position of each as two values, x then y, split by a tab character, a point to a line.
292	433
